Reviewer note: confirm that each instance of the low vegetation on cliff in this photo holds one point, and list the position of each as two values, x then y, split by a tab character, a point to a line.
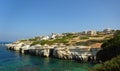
70	39
50	42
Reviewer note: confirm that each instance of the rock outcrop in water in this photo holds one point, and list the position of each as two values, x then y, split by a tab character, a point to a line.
80	53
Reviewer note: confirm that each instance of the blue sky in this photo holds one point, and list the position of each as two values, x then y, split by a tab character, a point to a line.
21	19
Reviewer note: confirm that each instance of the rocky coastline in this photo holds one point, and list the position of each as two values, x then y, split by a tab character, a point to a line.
79	53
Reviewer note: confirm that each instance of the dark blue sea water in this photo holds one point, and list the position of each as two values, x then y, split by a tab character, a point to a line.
13	61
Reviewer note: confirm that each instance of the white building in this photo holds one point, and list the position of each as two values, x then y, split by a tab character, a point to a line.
107	31
45	38
92	33
53	36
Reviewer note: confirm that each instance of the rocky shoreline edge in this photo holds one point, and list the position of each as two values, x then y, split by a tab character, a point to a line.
79	53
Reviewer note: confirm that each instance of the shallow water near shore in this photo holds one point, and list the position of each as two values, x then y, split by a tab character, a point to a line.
14	61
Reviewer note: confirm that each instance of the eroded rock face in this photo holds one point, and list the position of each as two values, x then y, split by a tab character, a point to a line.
62	53
10	46
24	49
18	46
40	52
43	52
65	53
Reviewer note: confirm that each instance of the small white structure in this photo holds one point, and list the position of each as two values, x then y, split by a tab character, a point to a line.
91	33
45	38
107	31
53	36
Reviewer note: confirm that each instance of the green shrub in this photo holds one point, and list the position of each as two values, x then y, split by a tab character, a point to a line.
112	65
110	48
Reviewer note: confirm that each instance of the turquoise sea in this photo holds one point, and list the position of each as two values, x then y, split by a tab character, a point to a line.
13	61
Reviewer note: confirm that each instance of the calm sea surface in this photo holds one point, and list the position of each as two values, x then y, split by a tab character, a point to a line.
13	61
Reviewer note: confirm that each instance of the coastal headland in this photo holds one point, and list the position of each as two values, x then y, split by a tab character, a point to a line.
80	46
